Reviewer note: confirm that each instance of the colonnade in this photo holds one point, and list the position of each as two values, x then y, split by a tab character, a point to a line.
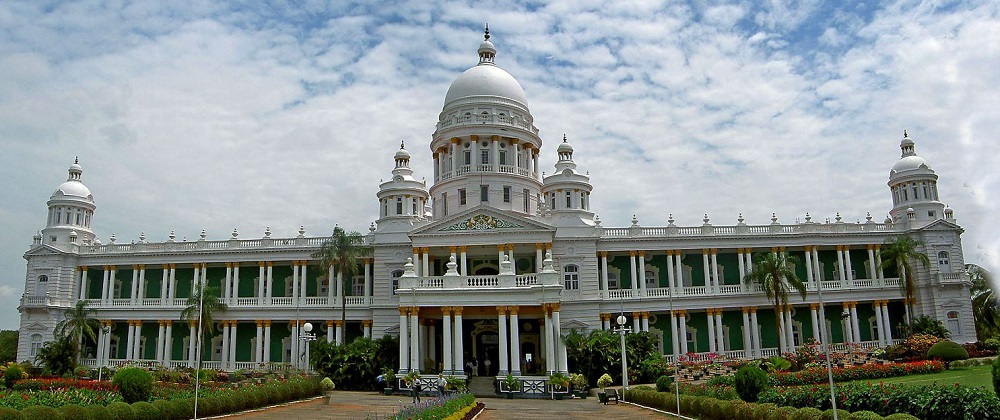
450	161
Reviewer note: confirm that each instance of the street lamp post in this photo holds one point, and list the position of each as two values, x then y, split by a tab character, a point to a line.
826	347
306	339
622	330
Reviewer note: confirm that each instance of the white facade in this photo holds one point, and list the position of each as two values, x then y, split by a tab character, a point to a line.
494	262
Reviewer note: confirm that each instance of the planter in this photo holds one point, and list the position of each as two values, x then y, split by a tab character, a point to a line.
559	396
602	397
387	391
581	394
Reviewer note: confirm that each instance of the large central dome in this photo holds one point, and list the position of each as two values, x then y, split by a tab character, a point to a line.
486	80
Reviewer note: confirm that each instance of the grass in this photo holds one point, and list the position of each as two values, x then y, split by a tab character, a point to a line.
974	376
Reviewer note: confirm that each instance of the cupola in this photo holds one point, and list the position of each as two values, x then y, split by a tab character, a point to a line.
914	187
70	212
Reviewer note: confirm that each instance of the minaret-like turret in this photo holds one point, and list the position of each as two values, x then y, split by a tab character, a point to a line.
71	212
567	190
402	198
914	187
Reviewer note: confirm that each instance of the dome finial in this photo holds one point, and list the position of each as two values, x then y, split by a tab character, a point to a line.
905	134
76	160
402	145
564	137
487	35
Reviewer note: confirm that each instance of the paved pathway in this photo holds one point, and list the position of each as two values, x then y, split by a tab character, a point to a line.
364	405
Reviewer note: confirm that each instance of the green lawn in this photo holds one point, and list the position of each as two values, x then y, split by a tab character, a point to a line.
976	376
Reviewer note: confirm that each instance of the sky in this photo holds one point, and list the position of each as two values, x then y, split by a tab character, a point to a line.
191	115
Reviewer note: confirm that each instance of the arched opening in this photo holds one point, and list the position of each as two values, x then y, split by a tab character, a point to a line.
486	270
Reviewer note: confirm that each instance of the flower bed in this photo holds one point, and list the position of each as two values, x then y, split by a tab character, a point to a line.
924	401
47	384
818	375
19	400
451	407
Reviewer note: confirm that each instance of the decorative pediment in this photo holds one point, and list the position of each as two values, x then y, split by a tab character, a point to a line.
941	224
43	250
482	222
574	324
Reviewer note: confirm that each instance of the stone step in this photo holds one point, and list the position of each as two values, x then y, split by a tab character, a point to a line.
482	386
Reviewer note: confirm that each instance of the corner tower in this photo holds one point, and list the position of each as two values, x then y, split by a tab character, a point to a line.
914	187
71	211
485	145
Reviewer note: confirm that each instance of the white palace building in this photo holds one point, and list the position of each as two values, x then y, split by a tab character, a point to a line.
493	262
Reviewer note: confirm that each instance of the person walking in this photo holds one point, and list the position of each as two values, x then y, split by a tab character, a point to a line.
442	382
415	390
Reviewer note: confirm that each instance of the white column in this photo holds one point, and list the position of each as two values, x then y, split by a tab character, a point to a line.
706	269
742	263
550	357
719	332
854	322
878	257
635	322
304	281
872	265
814	316
817	269
368	279
258	350
538	258
294	342
679	278
129	351
340	286
431	339
172	289
422	340
848	271
848	334
235	292
168	347
645	321
885	320
232	344
641	267
515	343
878	323
105	285
100	344
604	273
782	334
266	352
504	341
840	265
557	344
459	336
261	282
671	284
196	278
226	284
135	284
712	339
683	332
339	330
415	339
746	326
331	286
464	262
446	341
141	288
416	262
331	332
789	331
192	342
160	336
138	341
606	322
715	271
633	275
809	266
426	263
224	356
754	331
295	283
676	343
164	284
367	326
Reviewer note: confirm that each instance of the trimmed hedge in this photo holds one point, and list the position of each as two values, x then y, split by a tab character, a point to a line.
948	351
39	412
7	413
134	384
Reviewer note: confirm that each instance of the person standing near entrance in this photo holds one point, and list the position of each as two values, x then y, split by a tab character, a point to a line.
442	382
487	364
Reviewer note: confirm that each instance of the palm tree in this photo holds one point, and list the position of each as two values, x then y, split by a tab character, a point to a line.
776	279
77	323
202	306
340	255
897	253
985	308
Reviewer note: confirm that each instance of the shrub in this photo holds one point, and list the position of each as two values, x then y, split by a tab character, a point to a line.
13	374
749	381
604	381
864	415
121	411
73	411
996	376
948	351
929	325
841	414
7	413
98	412
807	413
764	411
663	383
166	410
742	410
918	344
784	413
133	384
327	384
146	411
185	407
209	406
39	412
992	344
901	416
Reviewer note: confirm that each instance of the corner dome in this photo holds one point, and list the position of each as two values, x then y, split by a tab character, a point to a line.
910	163
485	80
73	189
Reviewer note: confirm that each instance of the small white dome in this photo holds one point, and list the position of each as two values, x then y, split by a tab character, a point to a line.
402	154
909	163
73	189
485	80
564	147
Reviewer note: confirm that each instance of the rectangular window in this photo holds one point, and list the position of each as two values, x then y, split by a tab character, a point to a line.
461	196
444	203
569	199
484	193
503	157
915	196
527	201
484	157
506	193
468	157
552	205
414	206
399	206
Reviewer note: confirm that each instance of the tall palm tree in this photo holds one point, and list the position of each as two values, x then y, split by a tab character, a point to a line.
771	270
340	255
897	253
985	305
77	323
202	306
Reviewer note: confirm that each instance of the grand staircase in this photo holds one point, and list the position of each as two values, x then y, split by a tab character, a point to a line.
482	386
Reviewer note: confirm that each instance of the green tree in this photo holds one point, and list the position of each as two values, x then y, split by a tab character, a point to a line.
8	346
340	255
771	271
202	306
985	306
77	323
897	253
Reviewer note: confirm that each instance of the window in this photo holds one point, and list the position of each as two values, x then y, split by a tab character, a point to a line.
503	157
42	286
36	344
943	263
506	193
385	207
399	205
461	196
915	196
651	279
612	281
552	205
526	200
953	323
468	157
395	280
569	199
358	286
930	214
484	157
926	195
414	206
571	277
905	196
484	193
444	203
